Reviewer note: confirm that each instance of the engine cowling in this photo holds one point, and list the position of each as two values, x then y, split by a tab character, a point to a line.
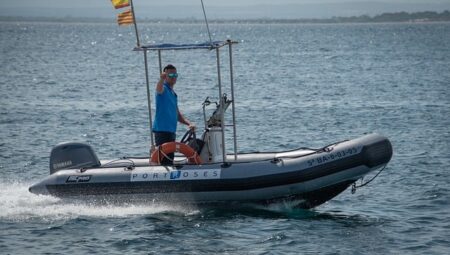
72	155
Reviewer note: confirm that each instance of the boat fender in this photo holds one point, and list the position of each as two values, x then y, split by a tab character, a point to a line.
377	153
171	147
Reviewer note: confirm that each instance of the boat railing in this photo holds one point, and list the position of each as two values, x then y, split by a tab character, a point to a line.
212	45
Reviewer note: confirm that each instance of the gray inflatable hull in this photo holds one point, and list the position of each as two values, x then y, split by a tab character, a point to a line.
308	177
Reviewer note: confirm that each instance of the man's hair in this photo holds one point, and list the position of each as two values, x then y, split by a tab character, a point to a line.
169	67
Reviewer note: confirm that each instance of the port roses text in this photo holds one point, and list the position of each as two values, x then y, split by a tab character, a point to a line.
202	174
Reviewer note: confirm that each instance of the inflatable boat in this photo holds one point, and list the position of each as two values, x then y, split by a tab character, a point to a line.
307	177
204	171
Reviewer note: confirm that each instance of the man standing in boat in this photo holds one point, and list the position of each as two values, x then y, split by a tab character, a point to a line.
167	112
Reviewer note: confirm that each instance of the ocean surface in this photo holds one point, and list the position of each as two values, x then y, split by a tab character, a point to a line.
296	85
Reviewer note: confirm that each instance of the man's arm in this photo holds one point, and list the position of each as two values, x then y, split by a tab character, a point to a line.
160	84
183	120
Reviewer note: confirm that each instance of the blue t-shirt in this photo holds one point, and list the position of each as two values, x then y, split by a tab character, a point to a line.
166	117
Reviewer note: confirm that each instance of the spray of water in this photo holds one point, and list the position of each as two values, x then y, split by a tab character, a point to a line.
17	204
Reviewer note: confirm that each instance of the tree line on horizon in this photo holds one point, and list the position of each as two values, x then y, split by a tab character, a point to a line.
425	16
398	17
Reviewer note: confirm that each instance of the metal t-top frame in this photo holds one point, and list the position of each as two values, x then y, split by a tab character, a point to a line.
216	45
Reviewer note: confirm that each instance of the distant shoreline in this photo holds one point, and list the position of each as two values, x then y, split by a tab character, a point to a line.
416	17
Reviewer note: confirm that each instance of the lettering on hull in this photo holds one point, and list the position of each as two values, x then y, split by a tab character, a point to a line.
78	178
164	175
332	156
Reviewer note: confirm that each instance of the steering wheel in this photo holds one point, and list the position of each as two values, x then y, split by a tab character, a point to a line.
188	136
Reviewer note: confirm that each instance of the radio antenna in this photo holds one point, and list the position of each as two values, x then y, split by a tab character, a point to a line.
206	21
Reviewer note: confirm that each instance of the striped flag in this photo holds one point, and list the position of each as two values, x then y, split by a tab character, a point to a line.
120	3
125	18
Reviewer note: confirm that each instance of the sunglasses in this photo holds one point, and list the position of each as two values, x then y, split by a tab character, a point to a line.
172	75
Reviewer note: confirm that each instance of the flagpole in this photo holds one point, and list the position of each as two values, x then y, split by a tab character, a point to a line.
152	142
135	25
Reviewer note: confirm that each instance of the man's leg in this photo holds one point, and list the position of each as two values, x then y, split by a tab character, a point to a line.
165	137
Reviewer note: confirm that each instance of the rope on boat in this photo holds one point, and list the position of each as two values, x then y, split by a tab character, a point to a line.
131	166
354	186
173	160
327	148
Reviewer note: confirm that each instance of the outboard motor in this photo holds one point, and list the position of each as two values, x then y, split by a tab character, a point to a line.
71	156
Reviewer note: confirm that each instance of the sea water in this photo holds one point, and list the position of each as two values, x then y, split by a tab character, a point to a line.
296	85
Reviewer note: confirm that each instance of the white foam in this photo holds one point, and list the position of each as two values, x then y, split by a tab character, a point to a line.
18	204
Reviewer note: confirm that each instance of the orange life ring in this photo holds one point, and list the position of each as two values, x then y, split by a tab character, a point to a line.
170	147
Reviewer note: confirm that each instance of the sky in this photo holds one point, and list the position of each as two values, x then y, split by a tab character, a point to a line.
220	9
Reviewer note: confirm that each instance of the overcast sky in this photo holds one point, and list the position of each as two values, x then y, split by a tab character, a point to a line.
240	9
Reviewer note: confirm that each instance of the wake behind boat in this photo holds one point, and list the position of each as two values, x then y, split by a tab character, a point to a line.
204	172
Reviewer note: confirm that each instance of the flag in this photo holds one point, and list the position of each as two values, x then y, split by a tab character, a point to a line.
120	3
125	18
